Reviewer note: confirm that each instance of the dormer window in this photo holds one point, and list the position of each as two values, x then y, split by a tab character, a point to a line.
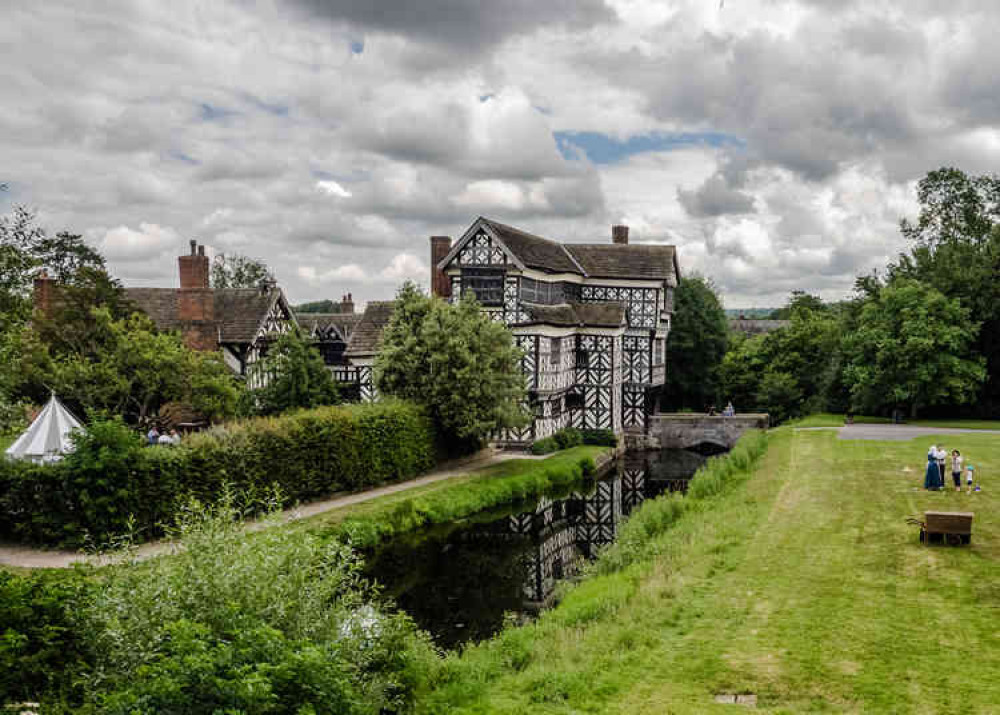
485	283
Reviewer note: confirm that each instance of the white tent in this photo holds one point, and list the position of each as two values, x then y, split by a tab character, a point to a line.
47	439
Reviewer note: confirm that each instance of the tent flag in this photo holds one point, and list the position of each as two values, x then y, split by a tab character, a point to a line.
47	438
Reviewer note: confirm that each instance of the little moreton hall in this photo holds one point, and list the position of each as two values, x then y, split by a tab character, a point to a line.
591	318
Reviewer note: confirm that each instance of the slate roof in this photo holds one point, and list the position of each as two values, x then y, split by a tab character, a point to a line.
594	260
534	251
343	322
633	260
238	311
367	336
595	315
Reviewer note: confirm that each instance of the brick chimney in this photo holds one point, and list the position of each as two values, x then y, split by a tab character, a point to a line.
619	235
347	304
44	293
196	301
440	283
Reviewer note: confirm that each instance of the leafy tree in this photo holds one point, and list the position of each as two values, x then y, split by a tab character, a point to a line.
781	392
126	368
800	300
697	343
463	367
238	271
294	375
956	248
911	348
741	370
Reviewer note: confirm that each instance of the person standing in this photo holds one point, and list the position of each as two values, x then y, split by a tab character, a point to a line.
942	459
956	469
933	475
153	436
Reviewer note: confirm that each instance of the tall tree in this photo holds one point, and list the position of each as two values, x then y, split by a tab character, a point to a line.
238	271
956	248
699	336
463	367
294	376
911	350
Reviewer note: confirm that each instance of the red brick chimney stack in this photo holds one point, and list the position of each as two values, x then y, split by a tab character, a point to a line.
440	283
44	293
347	304
196	301
619	235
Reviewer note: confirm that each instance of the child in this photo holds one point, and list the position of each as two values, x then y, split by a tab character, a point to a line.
968	477
956	469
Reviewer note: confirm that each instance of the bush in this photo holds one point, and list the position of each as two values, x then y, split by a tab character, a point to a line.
39	650
111	484
572	437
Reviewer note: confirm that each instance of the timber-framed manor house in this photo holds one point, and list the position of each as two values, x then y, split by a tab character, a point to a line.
592	319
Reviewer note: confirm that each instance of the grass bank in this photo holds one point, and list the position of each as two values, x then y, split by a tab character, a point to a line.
800	583
828	419
508	482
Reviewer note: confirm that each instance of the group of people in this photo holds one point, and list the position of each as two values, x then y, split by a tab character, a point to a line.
165	438
938	462
729	411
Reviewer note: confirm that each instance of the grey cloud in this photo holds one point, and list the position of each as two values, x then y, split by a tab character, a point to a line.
460	24
715	197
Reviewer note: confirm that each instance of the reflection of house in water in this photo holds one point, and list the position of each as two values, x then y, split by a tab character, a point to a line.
568	530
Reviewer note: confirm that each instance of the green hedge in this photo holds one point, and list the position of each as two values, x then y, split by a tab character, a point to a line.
111	477
571	437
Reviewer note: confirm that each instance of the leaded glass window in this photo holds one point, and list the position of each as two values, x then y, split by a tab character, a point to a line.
485	283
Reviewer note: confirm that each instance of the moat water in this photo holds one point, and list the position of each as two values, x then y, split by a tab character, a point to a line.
462	582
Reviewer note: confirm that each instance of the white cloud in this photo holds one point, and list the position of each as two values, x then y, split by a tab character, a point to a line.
405	266
332	188
124	243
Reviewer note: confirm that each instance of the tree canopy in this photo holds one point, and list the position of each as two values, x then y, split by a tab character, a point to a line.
238	271
293	375
463	367
910	350
699	336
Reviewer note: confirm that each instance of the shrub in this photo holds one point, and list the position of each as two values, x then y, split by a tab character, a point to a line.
572	437
599	437
111	484
569	437
545	446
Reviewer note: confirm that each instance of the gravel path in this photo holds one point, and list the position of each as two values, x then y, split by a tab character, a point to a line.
32	558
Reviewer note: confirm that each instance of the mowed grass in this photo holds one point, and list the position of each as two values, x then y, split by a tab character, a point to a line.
802	585
828	419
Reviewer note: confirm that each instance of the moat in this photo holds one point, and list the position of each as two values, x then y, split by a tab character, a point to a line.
462	582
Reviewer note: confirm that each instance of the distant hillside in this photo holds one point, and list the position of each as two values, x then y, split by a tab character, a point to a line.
752	313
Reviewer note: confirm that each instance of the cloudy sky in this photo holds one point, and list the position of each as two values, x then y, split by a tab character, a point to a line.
776	143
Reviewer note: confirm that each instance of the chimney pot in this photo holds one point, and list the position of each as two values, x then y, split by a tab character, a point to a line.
201	250
194	246
619	234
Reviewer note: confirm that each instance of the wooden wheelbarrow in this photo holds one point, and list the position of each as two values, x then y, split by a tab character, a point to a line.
945	527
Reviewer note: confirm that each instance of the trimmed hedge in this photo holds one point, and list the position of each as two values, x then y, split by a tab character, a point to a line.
571	437
111	478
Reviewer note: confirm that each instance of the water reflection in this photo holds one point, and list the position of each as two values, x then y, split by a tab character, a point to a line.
459	582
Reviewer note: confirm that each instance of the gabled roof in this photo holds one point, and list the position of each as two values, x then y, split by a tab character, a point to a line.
633	260
592	260
533	251
342	323
239	312
367	336
595	315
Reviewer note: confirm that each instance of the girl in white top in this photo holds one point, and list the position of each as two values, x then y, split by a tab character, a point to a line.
956	469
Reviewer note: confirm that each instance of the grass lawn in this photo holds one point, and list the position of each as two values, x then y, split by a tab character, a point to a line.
802	585
827	419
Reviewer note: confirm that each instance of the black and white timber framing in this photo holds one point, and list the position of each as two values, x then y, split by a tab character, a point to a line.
592	320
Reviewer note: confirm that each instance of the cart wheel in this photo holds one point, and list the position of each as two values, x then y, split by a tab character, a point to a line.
954	539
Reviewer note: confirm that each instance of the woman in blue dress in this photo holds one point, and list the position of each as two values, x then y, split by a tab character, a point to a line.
932	480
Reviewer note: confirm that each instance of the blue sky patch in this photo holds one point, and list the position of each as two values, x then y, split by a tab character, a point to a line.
357	47
210	113
181	156
603	149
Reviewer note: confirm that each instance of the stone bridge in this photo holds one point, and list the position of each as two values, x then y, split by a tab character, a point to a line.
688	430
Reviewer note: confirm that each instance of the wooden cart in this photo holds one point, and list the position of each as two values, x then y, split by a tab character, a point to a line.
946	527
